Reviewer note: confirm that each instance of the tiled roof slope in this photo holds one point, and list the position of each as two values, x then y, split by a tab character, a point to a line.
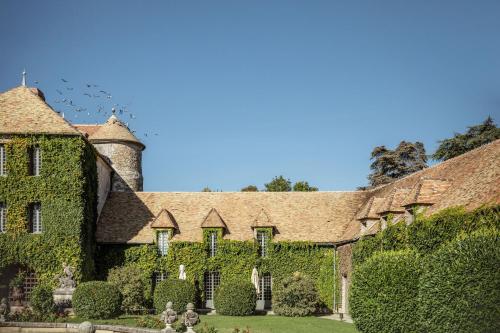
394	201
472	180
213	220
426	192
113	129
300	216
87	129
22	111
369	210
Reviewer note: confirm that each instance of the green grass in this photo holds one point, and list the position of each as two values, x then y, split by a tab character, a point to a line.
257	324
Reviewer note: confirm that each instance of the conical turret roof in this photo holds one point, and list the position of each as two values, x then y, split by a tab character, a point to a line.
114	130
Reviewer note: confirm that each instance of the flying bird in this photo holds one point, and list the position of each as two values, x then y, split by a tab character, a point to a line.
59	91
69	88
87	94
63	80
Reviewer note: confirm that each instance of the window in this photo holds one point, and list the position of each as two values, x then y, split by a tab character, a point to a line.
35	218
3	161
383	221
158	277
262	240
212	243
35	157
212	281
162	240
3	217
265	282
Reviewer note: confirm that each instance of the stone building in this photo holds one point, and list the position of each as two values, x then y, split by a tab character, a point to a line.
129	217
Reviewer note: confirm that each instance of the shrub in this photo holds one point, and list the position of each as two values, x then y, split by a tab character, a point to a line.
295	296
460	290
150	322
179	292
42	301
236	298
97	300
129	280
384	292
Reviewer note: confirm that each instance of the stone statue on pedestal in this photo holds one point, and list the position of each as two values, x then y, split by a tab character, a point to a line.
169	316
190	318
66	280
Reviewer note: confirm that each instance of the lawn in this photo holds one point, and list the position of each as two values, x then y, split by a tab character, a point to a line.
257	324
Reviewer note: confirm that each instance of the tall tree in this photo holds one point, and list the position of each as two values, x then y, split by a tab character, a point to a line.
475	136
389	165
250	188
206	189
303	186
279	184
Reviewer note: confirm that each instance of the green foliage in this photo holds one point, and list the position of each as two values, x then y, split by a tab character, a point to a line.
179	292
235	298
460	291
295	296
389	165
42	300
250	188
206	189
97	300
150	322
129	280
206	329
384	293
67	191
279	184
303	186
18	280
475	137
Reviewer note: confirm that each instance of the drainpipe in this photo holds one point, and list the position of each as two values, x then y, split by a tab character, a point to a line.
334	278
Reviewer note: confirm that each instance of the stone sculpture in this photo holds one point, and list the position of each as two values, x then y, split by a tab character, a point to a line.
4	309
66	280
190	318
169	316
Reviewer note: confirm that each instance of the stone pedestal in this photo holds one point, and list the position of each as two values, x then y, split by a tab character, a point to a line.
63	298
16	309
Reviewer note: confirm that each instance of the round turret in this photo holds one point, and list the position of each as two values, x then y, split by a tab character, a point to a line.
124	151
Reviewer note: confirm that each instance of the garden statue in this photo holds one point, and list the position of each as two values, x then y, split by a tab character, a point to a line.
66	280
4	309
169	316
182	272
190	318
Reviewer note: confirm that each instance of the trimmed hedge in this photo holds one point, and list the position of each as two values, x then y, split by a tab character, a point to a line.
179	292
460	291
130	282
296	296
236	298
42	301
97	300
384	293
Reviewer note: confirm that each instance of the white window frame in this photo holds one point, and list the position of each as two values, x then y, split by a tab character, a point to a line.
263	241
37	161
212	243
3	161
36	218
162	240
3	217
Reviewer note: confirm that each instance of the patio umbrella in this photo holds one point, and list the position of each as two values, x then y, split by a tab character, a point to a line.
182	272
255	280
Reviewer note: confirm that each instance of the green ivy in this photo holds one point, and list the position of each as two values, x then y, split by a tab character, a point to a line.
67	191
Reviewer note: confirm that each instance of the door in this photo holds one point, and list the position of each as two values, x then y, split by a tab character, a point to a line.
212	281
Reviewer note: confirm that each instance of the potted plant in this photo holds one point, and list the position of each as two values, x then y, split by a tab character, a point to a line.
17	288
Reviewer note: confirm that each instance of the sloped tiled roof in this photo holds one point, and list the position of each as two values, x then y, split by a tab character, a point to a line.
213	220
87	129
113	130
297	216
369	210
394	201
164	220
24	111
262	220
426	192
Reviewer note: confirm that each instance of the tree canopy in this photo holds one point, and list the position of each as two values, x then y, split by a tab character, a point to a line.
250	188
303	186
475	136
279	184
389	165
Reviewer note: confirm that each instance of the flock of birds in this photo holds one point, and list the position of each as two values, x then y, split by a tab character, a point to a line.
98	103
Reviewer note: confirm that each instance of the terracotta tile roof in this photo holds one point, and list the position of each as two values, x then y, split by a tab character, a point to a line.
469	180
213	220
24	111
301	216
262	220
426	192
164	220
394	201
87	129
112	130
369	210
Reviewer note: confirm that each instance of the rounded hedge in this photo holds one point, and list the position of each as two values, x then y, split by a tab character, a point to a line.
384	292
460	290
179	292
97	300
236	298
295	296
42	300
129	280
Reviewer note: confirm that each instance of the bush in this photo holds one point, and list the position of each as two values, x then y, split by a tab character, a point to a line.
295	296
179	292
236	298
384	292
42	301
460	290
129	280
97	300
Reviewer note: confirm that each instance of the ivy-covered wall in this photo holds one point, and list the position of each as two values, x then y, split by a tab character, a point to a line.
67	191
234	260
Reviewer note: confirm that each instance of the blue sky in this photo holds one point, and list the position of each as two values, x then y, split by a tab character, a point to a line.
241	91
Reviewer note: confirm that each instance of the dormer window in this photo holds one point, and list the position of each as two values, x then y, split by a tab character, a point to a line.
383	222
212	243
3	217
363	226
35	218
410	215
3	161
263	241
162	239
35	159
